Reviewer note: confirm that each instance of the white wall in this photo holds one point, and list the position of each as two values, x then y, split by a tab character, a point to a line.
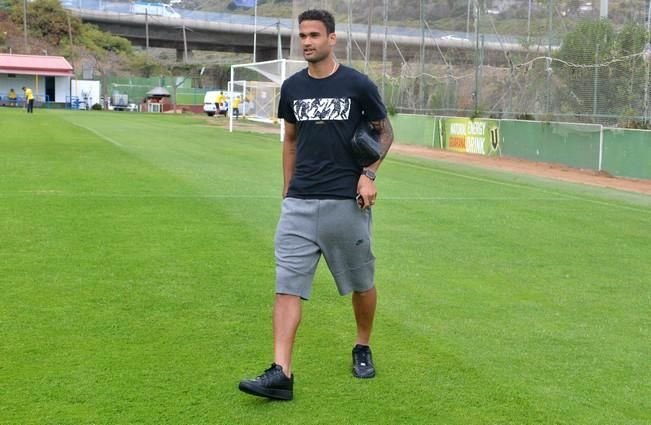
61	88
90	88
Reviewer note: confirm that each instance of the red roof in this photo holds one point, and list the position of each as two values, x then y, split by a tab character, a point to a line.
35	65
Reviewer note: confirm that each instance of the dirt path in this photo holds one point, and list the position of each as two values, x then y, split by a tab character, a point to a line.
519	166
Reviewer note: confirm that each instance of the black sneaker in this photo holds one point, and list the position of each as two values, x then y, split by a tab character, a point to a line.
363	362
273	383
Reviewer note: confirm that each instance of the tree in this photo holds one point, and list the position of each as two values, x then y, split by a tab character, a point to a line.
595	58
145	65
101	42
47	20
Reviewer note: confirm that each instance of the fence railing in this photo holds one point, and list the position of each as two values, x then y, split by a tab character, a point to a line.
616	151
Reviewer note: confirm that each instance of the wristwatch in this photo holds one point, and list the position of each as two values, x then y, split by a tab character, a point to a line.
369	173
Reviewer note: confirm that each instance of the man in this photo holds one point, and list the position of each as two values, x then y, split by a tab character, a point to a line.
219	102
12	97
236	106
29	98
322	105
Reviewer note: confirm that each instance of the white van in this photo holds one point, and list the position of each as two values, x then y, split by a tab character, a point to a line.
154	9
210	99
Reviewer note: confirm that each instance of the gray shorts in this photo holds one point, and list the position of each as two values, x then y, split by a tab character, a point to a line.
336	228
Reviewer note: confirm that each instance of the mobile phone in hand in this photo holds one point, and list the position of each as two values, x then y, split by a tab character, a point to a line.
360	201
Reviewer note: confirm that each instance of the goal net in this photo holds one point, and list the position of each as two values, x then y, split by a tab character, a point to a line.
259	84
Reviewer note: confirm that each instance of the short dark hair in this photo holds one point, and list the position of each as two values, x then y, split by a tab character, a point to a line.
319	15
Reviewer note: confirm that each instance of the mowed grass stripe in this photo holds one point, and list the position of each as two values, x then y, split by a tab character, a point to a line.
584	193
114	267
144	307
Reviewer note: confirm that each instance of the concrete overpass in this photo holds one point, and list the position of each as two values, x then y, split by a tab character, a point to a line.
234	33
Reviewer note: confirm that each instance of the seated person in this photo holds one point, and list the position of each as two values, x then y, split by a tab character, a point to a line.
12	97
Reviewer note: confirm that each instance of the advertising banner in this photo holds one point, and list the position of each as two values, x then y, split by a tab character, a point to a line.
476	136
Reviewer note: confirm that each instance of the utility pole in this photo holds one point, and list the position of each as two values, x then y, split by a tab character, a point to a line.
280	41
349	42
146	31
384	48
72	47
603	9
185	46
421	88
368	35
255	29
468	19
529	23
25	25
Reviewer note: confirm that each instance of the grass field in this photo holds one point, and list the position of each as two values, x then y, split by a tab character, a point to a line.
137	270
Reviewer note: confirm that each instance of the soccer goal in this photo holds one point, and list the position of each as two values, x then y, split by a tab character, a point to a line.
259	85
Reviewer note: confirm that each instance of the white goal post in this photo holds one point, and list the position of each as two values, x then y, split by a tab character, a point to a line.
258	84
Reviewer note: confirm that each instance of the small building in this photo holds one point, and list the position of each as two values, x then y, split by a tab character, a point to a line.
157	100
48	76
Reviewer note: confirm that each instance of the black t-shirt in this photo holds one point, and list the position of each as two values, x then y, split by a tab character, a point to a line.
326	112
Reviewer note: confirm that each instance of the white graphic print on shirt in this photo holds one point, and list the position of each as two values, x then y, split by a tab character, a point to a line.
324	109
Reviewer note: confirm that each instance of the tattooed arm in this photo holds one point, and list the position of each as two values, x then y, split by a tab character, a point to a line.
384	129
366	186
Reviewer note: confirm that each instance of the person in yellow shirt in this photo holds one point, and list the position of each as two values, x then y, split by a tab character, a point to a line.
29	97
219	102
220	99
236	106
12	97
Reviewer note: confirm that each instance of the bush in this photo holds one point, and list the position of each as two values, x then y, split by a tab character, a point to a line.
525	117
96	107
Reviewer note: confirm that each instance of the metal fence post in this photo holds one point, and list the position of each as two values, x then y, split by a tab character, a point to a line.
476	93
601	146
548	102
421	78
596	81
